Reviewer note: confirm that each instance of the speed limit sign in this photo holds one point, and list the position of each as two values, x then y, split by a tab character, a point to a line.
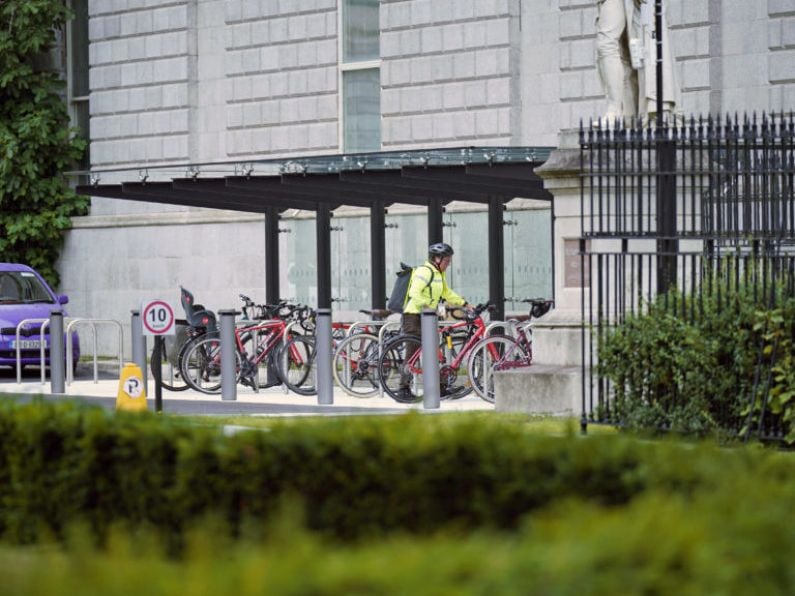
157	317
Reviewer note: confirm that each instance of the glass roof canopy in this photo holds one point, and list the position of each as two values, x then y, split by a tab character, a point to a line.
431	178
336	163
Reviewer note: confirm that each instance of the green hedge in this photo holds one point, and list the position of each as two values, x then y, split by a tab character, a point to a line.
708	543
691	364
353	478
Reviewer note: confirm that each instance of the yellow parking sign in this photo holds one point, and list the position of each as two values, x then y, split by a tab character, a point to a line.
132	391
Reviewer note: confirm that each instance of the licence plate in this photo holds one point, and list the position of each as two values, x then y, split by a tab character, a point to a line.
28	344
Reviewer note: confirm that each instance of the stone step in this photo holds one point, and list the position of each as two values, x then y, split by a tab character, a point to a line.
539	389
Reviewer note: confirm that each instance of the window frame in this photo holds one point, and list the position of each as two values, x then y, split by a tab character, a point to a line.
343	67
74	102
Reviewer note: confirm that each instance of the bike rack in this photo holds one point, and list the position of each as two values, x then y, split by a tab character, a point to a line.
93	323
69	349
24	323
357	324
494	325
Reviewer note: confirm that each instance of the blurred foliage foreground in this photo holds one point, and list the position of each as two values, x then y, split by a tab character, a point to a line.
92	502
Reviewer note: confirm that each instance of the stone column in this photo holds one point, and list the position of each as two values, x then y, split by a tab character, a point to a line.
553	384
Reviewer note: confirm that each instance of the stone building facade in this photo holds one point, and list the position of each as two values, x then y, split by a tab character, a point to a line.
201	81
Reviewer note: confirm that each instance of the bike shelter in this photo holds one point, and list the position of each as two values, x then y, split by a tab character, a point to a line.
490	176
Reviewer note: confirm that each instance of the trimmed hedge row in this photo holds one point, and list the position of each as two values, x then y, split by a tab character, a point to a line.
716	543
354	478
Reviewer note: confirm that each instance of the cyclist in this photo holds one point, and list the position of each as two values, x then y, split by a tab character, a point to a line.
427	287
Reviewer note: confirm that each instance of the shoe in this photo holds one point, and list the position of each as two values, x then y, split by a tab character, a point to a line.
450	392
405	396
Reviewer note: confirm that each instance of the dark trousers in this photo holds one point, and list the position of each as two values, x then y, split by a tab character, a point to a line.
411	325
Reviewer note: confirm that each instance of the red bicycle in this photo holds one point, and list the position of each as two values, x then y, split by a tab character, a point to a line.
503	352
400	364
260	348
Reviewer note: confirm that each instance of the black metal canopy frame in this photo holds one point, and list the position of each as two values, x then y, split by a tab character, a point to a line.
491	176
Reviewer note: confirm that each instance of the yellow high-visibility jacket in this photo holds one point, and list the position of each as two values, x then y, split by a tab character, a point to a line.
423	294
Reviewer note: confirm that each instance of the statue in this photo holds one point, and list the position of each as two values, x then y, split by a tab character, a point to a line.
626	59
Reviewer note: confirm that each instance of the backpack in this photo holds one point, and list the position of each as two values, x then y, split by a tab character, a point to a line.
397	299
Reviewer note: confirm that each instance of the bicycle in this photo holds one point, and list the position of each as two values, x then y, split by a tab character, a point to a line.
502	352
259	347
197	322
355	360
457	340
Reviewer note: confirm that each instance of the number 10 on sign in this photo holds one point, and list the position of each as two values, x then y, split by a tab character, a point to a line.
157	318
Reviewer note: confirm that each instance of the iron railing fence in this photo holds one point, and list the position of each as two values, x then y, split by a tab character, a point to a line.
680	218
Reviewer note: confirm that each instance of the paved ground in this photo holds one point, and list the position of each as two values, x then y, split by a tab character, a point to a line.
268	402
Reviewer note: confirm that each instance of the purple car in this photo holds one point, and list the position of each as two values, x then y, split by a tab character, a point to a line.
25	295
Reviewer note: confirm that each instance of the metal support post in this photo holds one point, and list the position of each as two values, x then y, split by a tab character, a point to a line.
138	341
430	361
497	256
667	244
325	385
435	221
323	234
228	376
56	352
377	255
157	372
272	255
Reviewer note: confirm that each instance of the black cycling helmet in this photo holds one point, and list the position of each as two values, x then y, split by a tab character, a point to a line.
440	249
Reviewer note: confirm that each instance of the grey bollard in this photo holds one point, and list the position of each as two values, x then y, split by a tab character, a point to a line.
228	372
57	352
430	359
323	349
138	341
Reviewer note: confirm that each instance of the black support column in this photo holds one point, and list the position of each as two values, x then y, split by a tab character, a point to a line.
667	243
272	255
377	255
435	213
496	257
323	237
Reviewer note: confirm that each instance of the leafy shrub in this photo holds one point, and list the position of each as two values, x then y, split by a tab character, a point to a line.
692	530
692	364
38	146
352	478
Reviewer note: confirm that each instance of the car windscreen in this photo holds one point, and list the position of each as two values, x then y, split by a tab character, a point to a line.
22	287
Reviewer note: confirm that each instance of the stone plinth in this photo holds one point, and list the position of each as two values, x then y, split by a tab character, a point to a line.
553	384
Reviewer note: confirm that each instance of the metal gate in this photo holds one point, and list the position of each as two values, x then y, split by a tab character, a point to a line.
674	216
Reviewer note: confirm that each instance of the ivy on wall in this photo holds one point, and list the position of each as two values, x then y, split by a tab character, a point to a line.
36	143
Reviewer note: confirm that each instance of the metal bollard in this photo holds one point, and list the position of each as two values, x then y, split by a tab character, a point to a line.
430	359
56	352
138	341
228	372
323	349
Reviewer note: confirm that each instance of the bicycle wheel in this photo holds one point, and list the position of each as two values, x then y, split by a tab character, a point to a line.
401	377
355	365
489	355
296	360
201	365
171	378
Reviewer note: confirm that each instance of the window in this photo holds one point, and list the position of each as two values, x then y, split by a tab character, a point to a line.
360	31
360	76
77	72
361	92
